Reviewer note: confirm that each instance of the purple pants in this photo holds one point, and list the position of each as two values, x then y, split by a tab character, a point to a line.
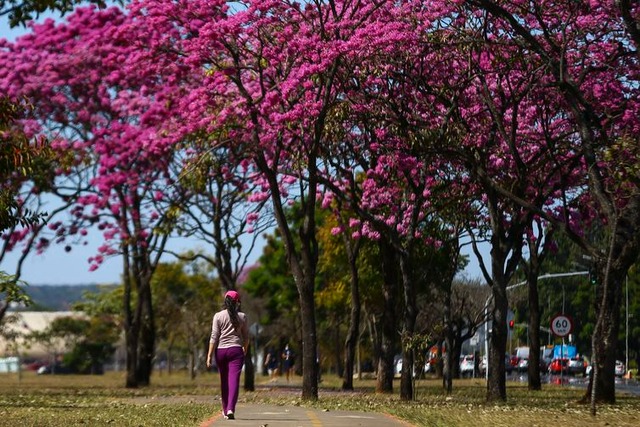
229	361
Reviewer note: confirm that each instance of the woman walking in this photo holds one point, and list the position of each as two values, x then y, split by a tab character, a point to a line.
228	344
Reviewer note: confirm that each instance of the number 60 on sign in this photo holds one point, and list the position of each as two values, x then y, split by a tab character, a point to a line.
561	325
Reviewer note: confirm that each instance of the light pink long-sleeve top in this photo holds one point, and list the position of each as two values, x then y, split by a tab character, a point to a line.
224	334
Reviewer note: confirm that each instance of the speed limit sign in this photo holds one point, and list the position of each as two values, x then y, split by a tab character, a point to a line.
561	325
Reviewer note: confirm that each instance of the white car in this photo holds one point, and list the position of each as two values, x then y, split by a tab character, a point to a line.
482	366
620	369
577	366
523	365
398	367
467	366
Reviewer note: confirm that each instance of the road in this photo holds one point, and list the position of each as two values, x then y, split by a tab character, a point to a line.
630	386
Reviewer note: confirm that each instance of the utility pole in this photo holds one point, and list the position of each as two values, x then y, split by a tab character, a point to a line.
626	333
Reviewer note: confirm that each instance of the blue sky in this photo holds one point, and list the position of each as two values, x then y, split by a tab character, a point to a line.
57	267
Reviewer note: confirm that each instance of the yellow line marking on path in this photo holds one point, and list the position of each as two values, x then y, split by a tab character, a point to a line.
315	421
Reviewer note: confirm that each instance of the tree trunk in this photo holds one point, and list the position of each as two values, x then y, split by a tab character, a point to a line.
131	343
338	345
4	306
306	290
456	352
303	264
309	344
605	337
408	329
384	383
249	370
496	386
192	361
375	338
537	254
147	337
131	325
448	368
351	342
384	380
507	232
448	365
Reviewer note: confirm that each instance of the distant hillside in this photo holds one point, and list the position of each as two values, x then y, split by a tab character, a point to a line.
60	297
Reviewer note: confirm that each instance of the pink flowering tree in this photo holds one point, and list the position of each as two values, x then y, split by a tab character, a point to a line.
463	114
508	117
269	69
523	113
375	133
588	53
521	123
107	118
527	148
508	141
529	129
395	207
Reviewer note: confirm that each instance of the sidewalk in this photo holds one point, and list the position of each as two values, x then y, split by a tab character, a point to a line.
258	415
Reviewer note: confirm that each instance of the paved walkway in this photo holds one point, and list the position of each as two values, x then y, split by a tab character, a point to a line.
259	415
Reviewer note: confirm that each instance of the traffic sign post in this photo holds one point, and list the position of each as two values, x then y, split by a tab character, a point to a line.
561	325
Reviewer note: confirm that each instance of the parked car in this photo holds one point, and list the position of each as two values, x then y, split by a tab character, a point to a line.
523	365
33	366
397	363
559	366
589	370
508	365
513	362
53	369
429	366
577	366
482	366
620	369
398	367
522	352
467	365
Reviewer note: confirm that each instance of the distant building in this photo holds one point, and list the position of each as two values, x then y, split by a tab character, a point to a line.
17	325
8	364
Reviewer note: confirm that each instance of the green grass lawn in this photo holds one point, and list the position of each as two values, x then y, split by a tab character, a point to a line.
175	400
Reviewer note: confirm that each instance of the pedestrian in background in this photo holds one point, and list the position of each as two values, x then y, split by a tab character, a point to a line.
228	344
271	362
288	360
